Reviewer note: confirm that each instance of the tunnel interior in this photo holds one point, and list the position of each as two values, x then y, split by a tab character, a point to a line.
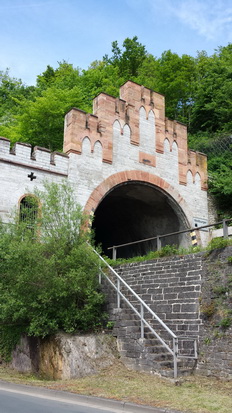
133	211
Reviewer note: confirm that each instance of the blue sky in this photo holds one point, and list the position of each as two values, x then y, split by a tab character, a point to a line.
37	33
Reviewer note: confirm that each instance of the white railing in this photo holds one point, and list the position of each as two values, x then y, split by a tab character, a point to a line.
174	351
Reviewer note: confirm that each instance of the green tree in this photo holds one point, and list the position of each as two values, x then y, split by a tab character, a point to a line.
64	77
174	76
128	60
220	175
148	73
47	78
48	276
212	110
100	77
41	122
12	90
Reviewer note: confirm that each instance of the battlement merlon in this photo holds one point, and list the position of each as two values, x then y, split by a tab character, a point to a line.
196	163
41	158
138	95
175	132
79	124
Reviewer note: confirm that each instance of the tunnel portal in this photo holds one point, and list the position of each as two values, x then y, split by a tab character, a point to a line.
132	211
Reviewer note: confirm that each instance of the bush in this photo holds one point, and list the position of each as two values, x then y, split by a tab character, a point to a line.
48	272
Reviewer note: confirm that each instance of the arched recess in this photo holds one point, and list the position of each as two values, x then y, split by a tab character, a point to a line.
97	150
29	210
86	145
133	205
146	130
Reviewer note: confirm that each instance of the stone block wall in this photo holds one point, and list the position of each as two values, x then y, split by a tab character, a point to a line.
193	296
215	355
172	287
17	165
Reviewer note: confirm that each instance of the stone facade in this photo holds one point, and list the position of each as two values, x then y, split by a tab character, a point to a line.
125	140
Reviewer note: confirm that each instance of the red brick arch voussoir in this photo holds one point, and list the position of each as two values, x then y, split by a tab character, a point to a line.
121	177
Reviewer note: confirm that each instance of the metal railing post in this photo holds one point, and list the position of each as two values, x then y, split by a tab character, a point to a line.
195	349
118	295
142	318
159	237
175	353
225	229
114	253
159	246
99	274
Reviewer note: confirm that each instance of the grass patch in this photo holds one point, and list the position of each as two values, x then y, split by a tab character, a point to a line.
192	394
173	250
167	251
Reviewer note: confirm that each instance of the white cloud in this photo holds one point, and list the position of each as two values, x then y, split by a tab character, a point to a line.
209	18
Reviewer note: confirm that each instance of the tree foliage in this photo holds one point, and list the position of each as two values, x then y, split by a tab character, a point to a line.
220	181
49	273
128	60
41	121
172	76
212	110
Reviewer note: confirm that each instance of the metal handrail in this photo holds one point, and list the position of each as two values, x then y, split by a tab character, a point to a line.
175	351
158	237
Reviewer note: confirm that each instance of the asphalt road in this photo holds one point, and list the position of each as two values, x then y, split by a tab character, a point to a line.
22	403
28	399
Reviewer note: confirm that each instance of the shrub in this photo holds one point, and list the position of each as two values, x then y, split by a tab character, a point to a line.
48	280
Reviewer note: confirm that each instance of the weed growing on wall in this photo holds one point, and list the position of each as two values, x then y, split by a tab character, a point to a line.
167	251
48	275
215	303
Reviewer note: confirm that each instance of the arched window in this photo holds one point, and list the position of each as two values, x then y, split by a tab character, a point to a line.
28	212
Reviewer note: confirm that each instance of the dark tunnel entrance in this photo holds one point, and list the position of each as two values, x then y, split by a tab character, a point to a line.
132	211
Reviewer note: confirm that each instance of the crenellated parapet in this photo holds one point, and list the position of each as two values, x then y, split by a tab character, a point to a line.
143	111
38	158
106	110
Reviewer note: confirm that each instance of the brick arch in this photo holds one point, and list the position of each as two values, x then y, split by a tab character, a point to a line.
144	177
38	205
30	195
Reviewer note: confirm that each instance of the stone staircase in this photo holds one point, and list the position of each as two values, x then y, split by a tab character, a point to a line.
171	288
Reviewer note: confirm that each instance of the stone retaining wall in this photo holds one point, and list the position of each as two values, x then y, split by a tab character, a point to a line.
215	355
193	296
171	286
65	356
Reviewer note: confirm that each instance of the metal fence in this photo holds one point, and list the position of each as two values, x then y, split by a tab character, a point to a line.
216	147
158	238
